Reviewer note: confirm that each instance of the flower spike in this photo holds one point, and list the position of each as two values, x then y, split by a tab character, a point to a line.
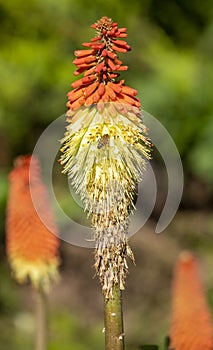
191	327
105	148
32	249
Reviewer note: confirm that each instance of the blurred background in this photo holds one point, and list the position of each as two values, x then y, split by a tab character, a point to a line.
171	66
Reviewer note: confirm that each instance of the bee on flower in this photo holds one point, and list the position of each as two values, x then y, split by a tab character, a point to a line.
103	141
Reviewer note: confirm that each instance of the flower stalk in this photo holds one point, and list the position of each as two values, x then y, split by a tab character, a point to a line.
41	334
104	152
113	320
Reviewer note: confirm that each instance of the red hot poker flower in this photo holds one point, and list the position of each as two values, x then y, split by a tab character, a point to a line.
191	321
32	249
105	148
100	67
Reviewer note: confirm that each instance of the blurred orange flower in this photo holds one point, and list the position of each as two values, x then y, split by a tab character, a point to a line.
31	247
191	320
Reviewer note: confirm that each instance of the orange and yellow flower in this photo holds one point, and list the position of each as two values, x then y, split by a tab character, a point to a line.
191	327
31	247
105	147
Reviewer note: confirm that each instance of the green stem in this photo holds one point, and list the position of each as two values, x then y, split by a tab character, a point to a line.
41	320
113	319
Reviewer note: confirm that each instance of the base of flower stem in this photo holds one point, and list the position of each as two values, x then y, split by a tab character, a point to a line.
113	320
41	331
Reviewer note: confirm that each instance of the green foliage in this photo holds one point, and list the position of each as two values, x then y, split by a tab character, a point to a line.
67	330
9	296
200	159
3	198
10	312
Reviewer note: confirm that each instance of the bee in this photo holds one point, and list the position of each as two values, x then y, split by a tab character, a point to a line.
103	141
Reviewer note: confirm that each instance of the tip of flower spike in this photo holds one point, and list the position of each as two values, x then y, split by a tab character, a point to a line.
104	24
22	165
100	66
186	257
22	160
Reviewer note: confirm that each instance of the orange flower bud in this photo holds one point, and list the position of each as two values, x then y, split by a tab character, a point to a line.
112	66
90	89
101	89
83	53
122	68
129	91
74	95
119	49
121	43
115	87
110	92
